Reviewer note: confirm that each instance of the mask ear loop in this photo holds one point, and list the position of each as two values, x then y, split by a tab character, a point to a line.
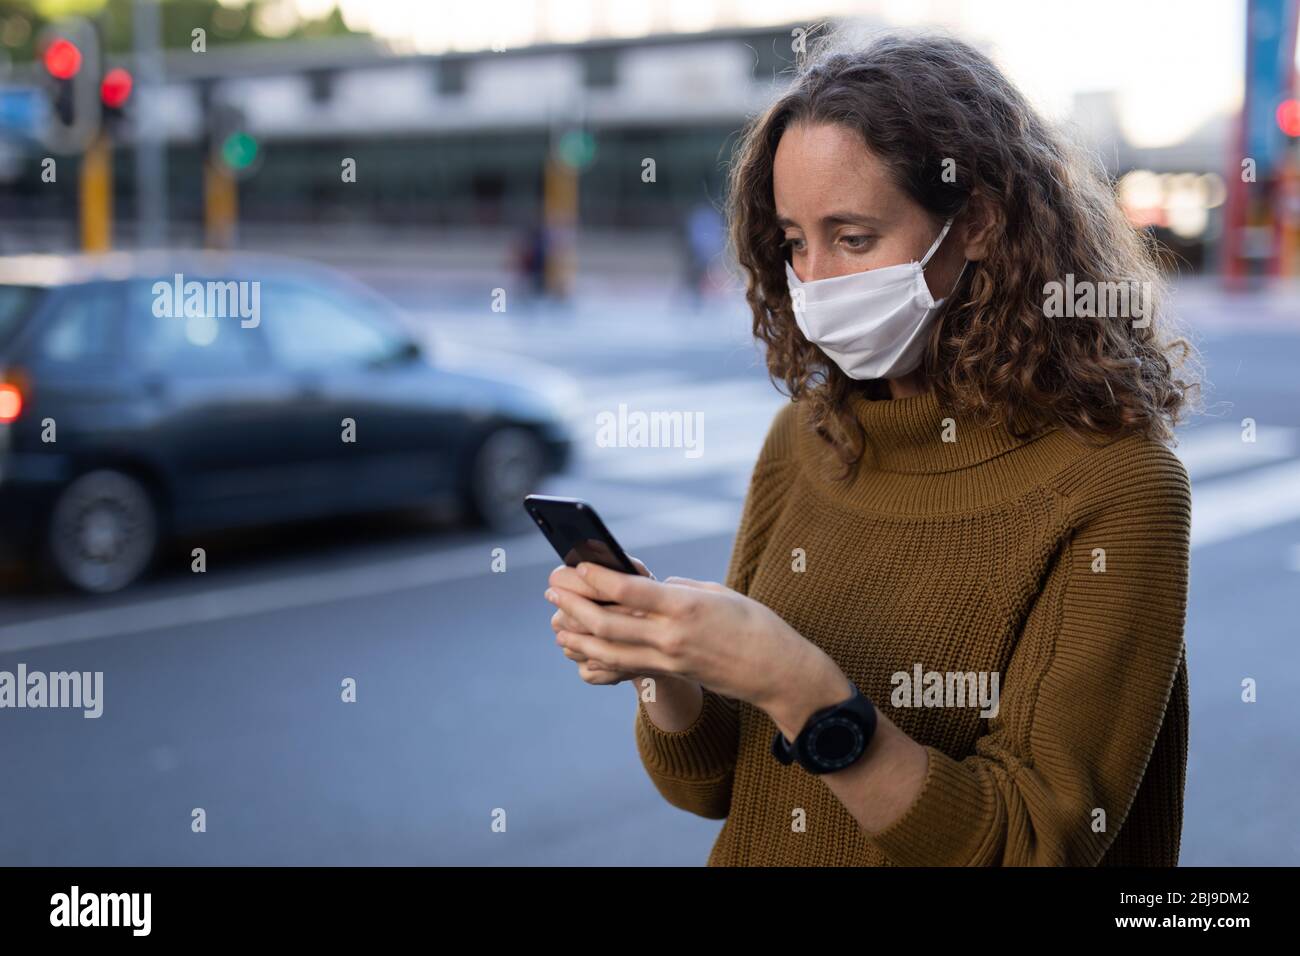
957	284
946	226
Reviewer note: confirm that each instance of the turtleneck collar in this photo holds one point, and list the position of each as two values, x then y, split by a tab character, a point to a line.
907	435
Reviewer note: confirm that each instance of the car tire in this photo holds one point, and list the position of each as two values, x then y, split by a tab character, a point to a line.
103	532
507	465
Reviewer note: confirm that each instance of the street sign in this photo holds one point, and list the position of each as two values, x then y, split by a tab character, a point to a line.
24	111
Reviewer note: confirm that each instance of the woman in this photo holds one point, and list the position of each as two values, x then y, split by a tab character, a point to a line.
951	632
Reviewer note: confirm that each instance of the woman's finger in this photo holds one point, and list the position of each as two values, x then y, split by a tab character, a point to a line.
628	658
598	676
631	590
564	576
594	618
569	579
563	622
692	583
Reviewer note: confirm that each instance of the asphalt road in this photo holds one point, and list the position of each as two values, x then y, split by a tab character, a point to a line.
222	691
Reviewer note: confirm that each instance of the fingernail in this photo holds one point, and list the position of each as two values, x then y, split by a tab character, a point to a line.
550	595
582	569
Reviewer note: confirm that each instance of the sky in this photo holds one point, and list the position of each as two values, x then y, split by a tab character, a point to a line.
1172	63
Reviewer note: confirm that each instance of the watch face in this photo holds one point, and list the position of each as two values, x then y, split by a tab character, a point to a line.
836	742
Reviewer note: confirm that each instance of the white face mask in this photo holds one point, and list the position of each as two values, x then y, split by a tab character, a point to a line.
872	324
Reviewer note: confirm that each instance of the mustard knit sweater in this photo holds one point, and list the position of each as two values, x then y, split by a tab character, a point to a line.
1058	566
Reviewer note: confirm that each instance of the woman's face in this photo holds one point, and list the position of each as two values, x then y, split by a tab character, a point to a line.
840	213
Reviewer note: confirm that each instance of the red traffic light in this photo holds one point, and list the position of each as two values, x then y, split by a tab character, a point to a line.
1288	117
115	88
11	403
62	59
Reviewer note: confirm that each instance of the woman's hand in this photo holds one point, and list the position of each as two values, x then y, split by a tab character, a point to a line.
682	628
589	669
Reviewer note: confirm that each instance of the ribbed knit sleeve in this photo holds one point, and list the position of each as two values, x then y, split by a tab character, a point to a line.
693	768
1054	776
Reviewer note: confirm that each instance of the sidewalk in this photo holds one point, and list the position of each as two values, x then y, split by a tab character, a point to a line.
618	272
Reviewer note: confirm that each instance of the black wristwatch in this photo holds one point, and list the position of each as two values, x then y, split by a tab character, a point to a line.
833	738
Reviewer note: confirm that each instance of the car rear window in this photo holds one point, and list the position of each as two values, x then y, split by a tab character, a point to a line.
16	303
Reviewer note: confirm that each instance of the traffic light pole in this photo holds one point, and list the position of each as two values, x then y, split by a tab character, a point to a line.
560	218
220	205
97	195
150	153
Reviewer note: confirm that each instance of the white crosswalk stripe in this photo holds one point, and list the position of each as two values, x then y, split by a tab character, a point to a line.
1210	450
732	417
1239	486
542	337
1241	505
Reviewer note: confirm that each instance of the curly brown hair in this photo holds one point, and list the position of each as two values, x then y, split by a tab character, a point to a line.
918	100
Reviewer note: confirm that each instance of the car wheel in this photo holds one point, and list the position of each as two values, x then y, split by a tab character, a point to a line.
103	532
507	466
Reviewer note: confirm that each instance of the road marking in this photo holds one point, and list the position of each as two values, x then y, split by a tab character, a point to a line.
736	416
1218	449
1256	500
1221	510
677	520
664	465
587	336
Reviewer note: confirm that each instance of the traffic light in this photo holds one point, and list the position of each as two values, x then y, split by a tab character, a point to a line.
230	146
69	52
62	58
114	92
62	61
576	148
1288	117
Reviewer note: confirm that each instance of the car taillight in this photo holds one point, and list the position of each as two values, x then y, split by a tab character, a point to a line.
11	403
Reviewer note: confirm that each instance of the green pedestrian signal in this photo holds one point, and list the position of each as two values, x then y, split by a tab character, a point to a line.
576	148
239	151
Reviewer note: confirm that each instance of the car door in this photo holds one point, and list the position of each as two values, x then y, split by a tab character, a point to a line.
220	414
380	420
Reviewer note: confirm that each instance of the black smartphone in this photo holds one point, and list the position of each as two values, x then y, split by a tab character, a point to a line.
577	533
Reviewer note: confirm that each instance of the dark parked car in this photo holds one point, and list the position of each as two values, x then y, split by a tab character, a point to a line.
142	397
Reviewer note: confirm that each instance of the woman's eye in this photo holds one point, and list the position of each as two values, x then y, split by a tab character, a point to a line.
793	243
857	242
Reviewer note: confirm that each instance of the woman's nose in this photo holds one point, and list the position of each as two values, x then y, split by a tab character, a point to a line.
815	266
804	269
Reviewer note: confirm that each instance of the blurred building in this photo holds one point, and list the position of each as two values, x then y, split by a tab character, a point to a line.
459	138
462	139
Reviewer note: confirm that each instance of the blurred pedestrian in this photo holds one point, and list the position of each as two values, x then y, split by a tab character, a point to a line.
703	235
531	257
